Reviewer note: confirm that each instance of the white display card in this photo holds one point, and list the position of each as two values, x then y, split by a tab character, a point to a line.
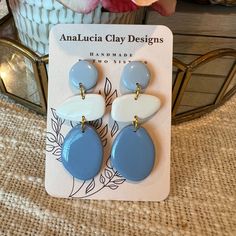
110	48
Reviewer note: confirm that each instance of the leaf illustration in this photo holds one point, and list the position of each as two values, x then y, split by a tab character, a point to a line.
76	187
119	175
54	113
112	186
60	139
115	129
51	137
107	88
109	102
108	173
57	152
102	179
108	163
90	187
113	95
73	123
96	124
104	131
118	181
110	99
60	122
104	142
49	147
99	124
54	126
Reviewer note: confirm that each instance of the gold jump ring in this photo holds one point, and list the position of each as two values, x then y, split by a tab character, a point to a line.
82	91
83	123
135	123
137	91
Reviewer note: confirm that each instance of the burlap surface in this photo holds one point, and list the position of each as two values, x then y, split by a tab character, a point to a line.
203	188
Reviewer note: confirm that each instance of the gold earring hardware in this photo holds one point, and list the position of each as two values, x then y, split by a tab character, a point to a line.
137	91
82	91
135	123
83	124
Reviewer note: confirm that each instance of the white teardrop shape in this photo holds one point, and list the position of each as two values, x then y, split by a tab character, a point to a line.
92	108
124	108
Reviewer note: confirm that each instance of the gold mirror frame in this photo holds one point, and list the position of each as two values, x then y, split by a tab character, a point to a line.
184	75
40	74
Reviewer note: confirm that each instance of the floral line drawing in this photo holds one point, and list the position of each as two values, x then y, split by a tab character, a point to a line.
109	95
73	192
115	129
56	139
109	178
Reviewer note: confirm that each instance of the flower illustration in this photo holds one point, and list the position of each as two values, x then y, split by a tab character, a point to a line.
109	178
164	7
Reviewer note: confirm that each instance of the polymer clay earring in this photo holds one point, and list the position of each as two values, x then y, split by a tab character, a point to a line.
82	150
133	151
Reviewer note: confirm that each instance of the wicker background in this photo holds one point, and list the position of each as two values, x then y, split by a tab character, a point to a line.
203	188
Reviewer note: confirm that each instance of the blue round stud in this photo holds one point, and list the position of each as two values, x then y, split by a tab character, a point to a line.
133	73
133	153
83	73
82	153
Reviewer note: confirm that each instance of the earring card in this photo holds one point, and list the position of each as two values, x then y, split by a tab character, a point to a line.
109	48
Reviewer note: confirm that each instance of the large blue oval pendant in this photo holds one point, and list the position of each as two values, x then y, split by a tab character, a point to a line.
133	153
82	153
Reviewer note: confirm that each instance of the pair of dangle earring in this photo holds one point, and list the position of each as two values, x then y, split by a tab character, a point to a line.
133	151
82	150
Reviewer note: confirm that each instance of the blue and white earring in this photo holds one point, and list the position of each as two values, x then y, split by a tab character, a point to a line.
82	150
133	151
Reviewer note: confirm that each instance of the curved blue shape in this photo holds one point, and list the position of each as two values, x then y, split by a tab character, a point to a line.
85	73
133	153
82	153
133	73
